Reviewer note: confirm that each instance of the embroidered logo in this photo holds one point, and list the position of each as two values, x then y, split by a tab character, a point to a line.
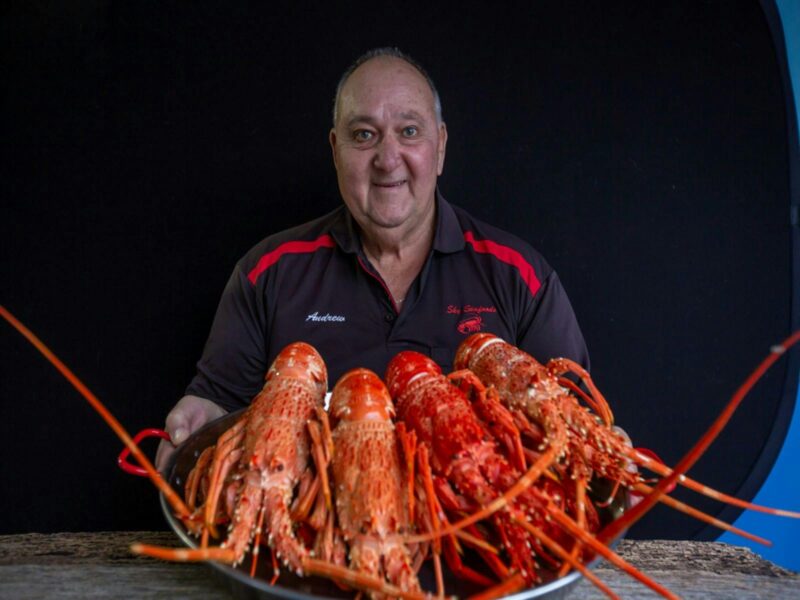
326	318
470	325
471	320
452	309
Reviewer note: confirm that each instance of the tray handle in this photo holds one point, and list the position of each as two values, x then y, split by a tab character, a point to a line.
122	459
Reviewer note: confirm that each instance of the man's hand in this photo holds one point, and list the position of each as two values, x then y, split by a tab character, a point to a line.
188	415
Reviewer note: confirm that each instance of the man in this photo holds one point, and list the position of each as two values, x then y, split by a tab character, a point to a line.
395	268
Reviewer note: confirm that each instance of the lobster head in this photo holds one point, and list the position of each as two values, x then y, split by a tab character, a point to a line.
300	361
407	366
360	395
471	347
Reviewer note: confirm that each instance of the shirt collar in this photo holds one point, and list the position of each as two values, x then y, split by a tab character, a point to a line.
345	232
448	238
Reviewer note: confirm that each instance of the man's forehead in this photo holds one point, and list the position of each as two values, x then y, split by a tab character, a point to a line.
352	117
387	79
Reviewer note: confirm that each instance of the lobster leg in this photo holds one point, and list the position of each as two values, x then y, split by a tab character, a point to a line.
225	555
322	450
556	549
535	471
434	514
497	417
599	546
447	496
408	446
308	490
319	490
358	580
195	477
226	455
580	497
257	546
595	400
322	459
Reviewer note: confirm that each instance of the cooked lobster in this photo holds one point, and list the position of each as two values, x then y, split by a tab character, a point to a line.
470	470
550	401
371	491
268	450
471	461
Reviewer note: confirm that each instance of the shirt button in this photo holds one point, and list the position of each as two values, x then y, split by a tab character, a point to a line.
389	317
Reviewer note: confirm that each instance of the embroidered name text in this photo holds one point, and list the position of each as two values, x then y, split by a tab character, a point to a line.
327	317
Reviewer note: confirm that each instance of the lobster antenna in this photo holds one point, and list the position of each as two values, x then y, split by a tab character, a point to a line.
98	406
637	512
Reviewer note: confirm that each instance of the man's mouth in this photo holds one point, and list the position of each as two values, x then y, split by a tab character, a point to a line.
389	184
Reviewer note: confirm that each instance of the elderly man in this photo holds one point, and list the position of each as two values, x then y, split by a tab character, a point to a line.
395	268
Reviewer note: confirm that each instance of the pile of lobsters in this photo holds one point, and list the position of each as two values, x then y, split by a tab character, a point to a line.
504	460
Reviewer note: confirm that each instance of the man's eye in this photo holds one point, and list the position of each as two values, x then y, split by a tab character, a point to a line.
410	131
362	135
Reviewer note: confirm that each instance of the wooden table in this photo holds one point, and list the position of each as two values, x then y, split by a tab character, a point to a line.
98	565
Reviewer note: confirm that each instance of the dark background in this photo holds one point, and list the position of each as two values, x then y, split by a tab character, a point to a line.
641	147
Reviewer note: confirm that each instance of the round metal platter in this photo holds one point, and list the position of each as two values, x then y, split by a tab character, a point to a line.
292	587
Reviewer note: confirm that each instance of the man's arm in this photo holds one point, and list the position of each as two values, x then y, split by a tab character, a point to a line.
230	371
188	415
550	328
232	367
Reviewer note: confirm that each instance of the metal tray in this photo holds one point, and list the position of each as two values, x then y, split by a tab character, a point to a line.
291	587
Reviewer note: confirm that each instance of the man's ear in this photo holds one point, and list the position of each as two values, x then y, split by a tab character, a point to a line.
441	147
332	140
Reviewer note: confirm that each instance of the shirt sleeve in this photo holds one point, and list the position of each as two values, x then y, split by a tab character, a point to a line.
550	328
233	365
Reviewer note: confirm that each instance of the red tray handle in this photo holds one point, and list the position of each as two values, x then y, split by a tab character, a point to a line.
122	459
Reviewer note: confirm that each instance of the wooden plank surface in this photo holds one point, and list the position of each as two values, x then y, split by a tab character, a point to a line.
99	565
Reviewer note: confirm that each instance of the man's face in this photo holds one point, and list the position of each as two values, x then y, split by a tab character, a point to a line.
387	146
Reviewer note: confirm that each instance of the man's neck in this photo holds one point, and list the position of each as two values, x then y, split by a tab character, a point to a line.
399	256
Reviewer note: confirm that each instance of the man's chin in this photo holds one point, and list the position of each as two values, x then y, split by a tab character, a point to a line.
386	223
390	215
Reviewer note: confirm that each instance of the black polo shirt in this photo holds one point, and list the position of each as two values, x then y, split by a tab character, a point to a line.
313	283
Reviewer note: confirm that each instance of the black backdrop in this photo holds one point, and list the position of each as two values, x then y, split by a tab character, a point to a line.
641	147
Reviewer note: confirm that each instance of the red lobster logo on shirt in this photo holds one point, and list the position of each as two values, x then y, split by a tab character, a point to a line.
470	325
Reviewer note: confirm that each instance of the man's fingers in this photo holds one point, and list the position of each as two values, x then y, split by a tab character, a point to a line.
188	415
179	436
165	450
176	420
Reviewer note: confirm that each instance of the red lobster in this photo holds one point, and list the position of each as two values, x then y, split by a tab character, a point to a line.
372	502
268	446
550	401
269	450
261	470
471	472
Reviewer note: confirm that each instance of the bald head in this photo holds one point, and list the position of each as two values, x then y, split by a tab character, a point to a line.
385	53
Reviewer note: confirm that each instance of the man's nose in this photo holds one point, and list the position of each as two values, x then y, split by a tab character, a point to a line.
388	154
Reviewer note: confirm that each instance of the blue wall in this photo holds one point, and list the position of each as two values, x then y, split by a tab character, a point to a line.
782	487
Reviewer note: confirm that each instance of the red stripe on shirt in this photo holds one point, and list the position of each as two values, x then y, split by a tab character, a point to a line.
270	258
508	256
